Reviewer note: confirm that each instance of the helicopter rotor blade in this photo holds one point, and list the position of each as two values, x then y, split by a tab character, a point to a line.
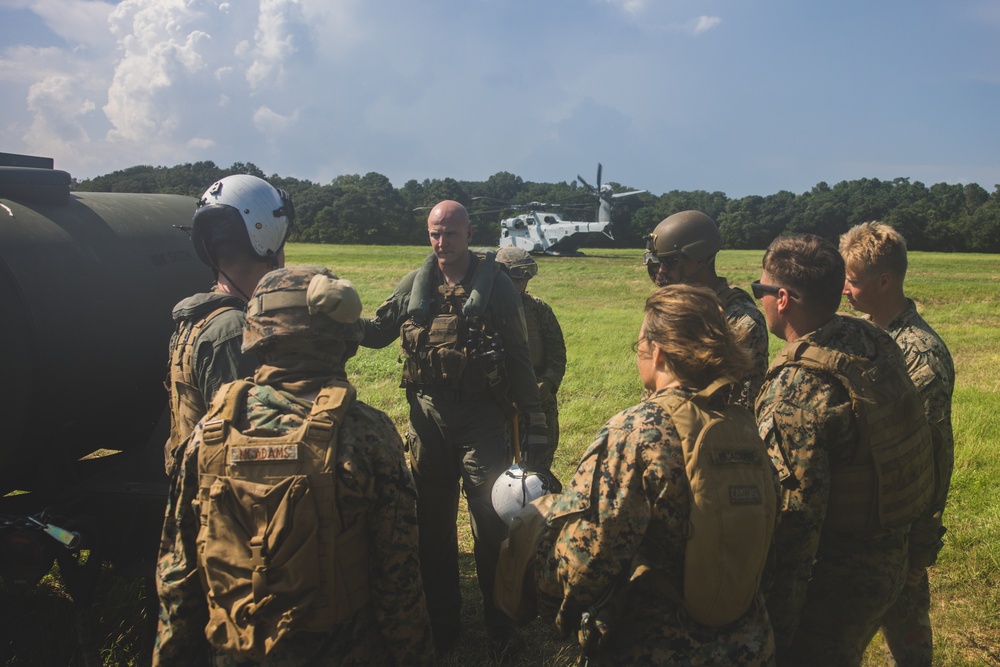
626	194
585	183
598	175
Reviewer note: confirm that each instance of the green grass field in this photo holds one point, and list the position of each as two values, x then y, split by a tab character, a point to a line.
598	300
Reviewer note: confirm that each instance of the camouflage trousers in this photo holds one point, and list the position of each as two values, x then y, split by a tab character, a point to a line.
850	591
907	627
651	631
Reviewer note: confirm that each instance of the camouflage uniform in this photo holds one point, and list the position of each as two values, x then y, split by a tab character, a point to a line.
374	486
628	507
548	356
305	337
460	436
743	315
830	589
217	355
907	626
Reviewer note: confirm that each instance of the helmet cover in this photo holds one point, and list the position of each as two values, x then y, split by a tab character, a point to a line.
305	303
518	263
689	234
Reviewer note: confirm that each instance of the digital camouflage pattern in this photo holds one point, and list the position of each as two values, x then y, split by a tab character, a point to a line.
374	485
744	316
548	356
907	625
830	590
329	307
627	507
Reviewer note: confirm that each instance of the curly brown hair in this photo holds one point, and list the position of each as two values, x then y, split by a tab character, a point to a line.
689	324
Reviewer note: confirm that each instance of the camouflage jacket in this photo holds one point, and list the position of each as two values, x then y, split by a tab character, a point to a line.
374	485
744	316
545	340
627	507
930	366
806	420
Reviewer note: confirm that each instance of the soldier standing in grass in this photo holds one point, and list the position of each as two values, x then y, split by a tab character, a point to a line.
239	230
846	431
464	345
545	337
682	249
875	258
297	540
615	563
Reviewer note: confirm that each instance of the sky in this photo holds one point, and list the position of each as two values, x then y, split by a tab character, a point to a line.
746	97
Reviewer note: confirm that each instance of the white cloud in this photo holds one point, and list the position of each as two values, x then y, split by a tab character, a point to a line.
270	122
705	23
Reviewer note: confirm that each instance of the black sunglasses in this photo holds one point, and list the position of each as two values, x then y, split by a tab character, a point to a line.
759	289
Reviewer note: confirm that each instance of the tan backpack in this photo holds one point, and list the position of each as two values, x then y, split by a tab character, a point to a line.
273	555
733	506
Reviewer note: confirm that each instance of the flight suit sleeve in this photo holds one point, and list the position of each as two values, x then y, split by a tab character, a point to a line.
802	416
554	345
183	611
380	331
220	358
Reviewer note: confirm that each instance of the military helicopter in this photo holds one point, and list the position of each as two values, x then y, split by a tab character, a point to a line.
545	232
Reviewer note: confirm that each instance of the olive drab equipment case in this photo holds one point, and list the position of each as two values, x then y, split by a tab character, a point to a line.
733	505
273	556
890	481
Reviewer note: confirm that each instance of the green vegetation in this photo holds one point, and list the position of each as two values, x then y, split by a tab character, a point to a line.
368	209
598	300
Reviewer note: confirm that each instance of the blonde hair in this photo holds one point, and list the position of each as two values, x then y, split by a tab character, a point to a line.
874	247
688	323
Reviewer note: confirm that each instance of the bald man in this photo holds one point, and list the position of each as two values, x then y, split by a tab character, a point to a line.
462	330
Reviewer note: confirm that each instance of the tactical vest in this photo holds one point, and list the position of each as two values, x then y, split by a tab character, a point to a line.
733	505
187	405
730	295
273	554
449	341
890	480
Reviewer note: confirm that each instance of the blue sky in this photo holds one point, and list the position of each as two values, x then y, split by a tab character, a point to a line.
740	96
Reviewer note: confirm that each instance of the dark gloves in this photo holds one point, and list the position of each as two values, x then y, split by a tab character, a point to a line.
537	456
536	453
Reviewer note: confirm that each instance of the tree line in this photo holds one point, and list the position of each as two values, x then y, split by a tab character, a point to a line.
368	209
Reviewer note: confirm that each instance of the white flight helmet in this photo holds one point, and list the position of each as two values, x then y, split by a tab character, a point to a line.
245	207
514	489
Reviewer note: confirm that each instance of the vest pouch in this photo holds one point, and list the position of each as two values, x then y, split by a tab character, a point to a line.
413	338
260	561
447	362
905	469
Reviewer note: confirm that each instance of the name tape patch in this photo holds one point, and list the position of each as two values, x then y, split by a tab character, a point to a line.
745	494
734	456
265	453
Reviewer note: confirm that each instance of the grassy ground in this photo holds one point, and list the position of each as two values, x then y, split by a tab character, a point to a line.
598	300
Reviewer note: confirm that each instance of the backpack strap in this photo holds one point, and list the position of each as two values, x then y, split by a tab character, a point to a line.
327	411
223	411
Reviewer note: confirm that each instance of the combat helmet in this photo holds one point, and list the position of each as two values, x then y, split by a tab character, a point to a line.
305	303
688	234
242	209
517	262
